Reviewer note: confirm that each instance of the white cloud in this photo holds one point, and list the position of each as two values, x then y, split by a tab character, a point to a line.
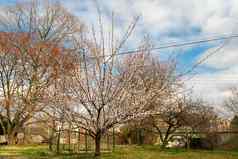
226	76
161	18
164	20
214	87
225	58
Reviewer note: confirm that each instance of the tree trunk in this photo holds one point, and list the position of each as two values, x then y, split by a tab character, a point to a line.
51	138
98	144
164	143
166	137
50	144
58	143
11	139
187	140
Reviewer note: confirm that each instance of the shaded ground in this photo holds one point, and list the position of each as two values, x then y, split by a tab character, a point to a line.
124	152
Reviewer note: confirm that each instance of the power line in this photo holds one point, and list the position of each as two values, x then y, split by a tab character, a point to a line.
175	44
171	45
204	59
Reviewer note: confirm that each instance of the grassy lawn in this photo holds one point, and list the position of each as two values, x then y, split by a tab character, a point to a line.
124	152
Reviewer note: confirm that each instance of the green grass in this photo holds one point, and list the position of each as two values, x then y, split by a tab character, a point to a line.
25	151
122	152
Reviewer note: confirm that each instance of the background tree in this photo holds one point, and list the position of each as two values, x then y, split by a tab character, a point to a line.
181	114
201	116
234	123
168	120
231	103
32	52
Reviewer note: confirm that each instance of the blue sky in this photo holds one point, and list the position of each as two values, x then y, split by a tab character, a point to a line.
175	21
4	2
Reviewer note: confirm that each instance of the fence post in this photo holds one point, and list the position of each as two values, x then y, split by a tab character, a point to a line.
187	138
137	136
58	143
113	139
108	145
78	140
51	134
74	141
141	136
69	137
64	139
86	141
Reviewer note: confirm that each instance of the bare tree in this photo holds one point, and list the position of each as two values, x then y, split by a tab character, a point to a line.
32	53
201	117
181	114
231	103
169	119
108	89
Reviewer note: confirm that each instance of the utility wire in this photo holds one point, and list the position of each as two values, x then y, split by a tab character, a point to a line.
204	59
227	38
176	44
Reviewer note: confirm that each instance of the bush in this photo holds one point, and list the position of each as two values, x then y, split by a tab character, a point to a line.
209	142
